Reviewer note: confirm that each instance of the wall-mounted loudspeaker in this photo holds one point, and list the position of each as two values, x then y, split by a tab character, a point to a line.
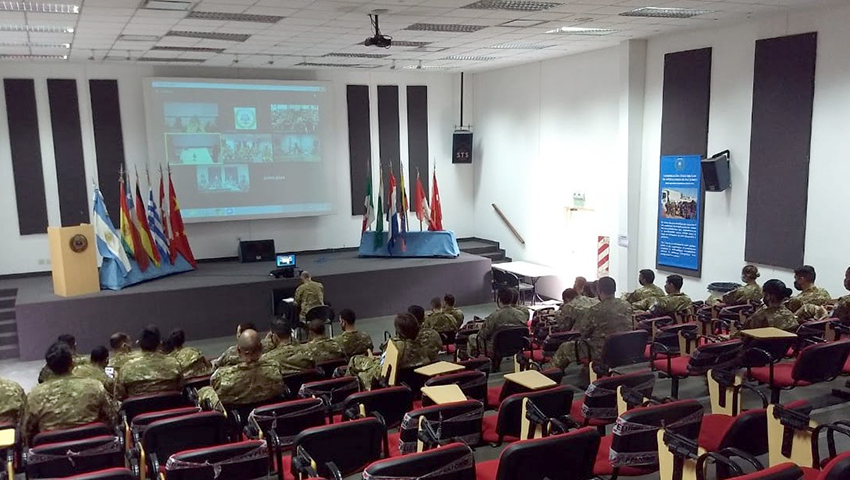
462	147
715	172
256	251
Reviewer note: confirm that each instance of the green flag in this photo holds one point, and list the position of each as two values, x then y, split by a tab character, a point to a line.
379	226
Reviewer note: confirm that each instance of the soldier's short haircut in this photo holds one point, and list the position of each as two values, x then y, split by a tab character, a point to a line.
449	299
676	280
418	312
117	339
569	294
505	295
99	354
150	338
177	337
280	327
317	326
606	286
348	315
807	272
436	302
406	326
67	339
648	275
59	358
247	326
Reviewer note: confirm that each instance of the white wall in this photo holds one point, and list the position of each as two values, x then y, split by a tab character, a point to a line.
30	253
729	128
542	132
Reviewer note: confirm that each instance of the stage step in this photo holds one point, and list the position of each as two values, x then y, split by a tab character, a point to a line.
9	351
483	248
8	324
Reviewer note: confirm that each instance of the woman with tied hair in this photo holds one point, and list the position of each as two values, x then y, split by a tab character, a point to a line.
749	292
774	313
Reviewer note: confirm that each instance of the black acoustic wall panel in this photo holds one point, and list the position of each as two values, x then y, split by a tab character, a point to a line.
25	145
686	94
68	151
388	131
780	141
417	139
108	139
359	145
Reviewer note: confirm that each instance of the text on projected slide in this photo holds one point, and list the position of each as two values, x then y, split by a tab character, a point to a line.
241	149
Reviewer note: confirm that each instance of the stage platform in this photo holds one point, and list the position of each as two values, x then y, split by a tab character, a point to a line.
211	300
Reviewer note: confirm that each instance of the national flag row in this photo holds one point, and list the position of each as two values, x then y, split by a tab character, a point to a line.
396	205
147	234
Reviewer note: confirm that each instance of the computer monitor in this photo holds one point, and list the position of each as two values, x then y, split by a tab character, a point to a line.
283	260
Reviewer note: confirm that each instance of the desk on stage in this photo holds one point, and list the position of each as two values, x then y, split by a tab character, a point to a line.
532	271
442	244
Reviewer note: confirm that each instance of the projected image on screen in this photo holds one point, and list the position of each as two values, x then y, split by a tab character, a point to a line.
242	149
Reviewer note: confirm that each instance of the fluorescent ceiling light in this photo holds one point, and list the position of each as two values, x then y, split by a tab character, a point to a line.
138	38
665	12
469	58
445	27
426	67
167	5
407	43
520	46
168	48
522	23
33	57
582	31
171	60
36	29
233	17
8	6
35	44
229	37
356	55
515	5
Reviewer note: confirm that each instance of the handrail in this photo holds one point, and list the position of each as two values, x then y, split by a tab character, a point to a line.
508	223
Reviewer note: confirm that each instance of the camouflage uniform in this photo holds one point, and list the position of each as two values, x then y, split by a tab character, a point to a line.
64	402
231	357
778	317
89	370
46	373
426	346
668	305
368	369
440	321
117	360
809	304
244	384
842	310
149	372
504	317
743	295
569	312
289	357
12	402
192	362
645	292
354	343
456	313
308	295
322	350
603	319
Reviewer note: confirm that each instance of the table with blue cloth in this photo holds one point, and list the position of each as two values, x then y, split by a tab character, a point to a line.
442	244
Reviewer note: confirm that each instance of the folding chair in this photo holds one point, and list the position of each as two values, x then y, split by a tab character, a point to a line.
151	403
784	471
506	342
328	367
89	430
816	363
507	425
619	350
137	427
472	383
63	459
246	460
237	415
280	423
459	421
333	392
163	438
108	474
568	456
598	407
449	462
390	403
496	394
338	450
322	312
837	469
704	358
293	381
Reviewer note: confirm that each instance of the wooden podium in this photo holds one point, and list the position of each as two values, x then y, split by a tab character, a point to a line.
73	254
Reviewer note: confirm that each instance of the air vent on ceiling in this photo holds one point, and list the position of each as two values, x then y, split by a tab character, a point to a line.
664	12
519	6
178	5
230	37
171	60
445	27
520	46
357	55
234	17
469	58
522	23
8	6
33	57
335	65
407	43
582	31
168	48
138	38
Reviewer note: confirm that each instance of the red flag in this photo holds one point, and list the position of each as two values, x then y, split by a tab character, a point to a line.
423	213
162	206
129	229
179	242
144	229
436	207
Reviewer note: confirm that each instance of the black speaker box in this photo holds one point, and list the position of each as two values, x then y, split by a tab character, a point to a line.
462	147
256	251
715	172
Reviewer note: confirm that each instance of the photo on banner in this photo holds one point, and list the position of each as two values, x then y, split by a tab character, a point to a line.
680	215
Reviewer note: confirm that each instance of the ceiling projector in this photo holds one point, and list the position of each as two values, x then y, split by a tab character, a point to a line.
378	39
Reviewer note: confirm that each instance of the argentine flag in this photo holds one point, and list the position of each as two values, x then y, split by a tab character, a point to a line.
108	239
155	225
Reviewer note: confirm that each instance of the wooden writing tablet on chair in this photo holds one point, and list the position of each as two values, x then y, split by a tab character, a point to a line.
767	332
439	368
441	394
530	379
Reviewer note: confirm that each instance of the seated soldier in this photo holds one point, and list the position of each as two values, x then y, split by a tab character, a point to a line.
809	303
251	381
411	354
96	368
610	315
122	349
352	341
439	320
289	356
580	285
747	293
192	361
13	401
773	313
231	355
65	401
150	371
648	289
515	304
842	306
505	316
449	307
674	303
573	307
428	339
71	341
320	348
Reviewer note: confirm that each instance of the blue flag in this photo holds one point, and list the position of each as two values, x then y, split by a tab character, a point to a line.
108	240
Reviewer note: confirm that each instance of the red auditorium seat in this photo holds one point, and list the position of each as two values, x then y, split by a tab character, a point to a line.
783	471
598	407
507	423
391	403
704	358
338	450
164	438
108	474
816	363
94	429
450	462
568	456
746	431
234	461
